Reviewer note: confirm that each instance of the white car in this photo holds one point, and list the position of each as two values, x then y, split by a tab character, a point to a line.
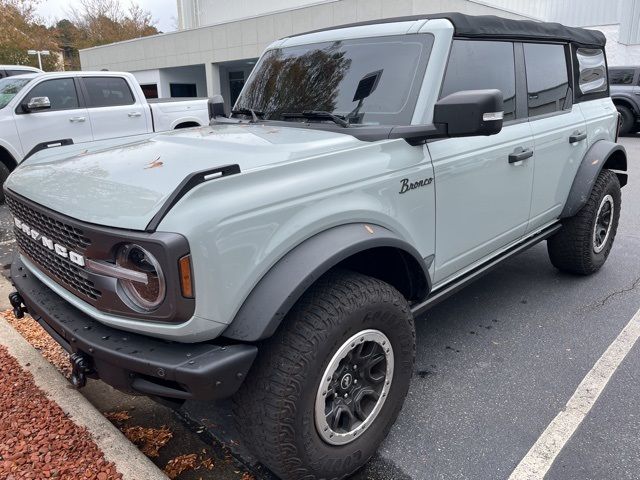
47	110
11	70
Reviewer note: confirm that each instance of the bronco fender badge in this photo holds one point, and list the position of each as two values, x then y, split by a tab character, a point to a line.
46	242
405	185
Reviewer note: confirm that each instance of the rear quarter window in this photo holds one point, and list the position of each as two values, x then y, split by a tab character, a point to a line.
592	70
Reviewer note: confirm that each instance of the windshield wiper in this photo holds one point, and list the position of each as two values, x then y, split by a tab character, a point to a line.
255	114
318	114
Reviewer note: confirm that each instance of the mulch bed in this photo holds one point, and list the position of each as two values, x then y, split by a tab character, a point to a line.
37	439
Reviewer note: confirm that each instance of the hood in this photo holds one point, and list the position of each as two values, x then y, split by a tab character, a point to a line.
123	183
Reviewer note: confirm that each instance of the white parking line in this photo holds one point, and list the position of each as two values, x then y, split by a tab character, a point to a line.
539	459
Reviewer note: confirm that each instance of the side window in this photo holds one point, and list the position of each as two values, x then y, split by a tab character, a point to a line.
547	78
107	92
61	92
592	68
621	77
479	65
17	72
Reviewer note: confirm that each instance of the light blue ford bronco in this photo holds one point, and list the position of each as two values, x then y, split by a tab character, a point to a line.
280	255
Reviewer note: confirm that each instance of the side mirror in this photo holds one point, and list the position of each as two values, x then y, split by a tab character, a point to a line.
470	113
37	103
367	85
216	107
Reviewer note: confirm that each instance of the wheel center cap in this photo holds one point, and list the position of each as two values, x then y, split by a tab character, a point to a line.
346	381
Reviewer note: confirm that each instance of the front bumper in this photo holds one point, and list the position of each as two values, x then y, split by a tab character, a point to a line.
131	362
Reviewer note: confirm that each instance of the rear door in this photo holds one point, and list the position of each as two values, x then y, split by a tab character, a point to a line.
558	127
483	196
113	108
67	119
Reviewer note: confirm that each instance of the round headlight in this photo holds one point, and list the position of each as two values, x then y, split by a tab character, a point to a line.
147	296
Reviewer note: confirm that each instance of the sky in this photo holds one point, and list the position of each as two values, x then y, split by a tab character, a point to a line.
163	11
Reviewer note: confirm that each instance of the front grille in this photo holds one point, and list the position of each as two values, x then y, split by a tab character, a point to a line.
60	232
62	269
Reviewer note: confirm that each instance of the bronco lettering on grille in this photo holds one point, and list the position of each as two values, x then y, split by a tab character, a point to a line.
46	242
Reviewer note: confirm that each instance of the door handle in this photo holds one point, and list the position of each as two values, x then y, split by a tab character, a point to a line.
516	157
77	119
577	137
134	114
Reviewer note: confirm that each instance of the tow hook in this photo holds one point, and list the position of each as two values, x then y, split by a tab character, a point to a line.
19	308
80	367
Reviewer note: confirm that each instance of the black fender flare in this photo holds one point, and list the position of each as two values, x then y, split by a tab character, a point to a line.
602	154
280	288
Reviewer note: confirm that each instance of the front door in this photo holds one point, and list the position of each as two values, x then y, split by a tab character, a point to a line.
483	184
66	119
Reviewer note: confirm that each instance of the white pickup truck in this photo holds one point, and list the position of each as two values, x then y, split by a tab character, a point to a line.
46	110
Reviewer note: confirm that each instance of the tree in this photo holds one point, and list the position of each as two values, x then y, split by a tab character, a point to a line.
105	21
22	30
94	22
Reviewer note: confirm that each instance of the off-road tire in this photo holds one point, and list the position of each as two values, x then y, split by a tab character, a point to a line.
274	409
627	120
4	173
572	248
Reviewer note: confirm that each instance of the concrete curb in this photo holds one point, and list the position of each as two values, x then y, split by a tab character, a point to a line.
129	461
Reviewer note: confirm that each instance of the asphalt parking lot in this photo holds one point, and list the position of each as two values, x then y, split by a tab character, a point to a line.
498	361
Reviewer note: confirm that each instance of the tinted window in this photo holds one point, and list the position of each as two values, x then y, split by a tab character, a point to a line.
107	91
61	92
17	72
478	65
621	77
547	79
325	76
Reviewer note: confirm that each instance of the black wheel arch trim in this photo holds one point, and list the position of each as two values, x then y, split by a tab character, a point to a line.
602	154
280	288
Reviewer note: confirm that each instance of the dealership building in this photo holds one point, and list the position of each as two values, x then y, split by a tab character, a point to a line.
219	41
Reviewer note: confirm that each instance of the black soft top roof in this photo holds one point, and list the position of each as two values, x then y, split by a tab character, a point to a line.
491	26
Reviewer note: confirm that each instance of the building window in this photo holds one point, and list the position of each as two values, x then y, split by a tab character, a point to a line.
150	90
236	82
481	65
183	89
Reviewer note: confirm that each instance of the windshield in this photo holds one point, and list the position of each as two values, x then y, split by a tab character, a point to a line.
367	81
9	88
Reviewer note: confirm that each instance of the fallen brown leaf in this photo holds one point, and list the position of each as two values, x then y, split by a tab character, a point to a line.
117	417
181	464
40	340
148	440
